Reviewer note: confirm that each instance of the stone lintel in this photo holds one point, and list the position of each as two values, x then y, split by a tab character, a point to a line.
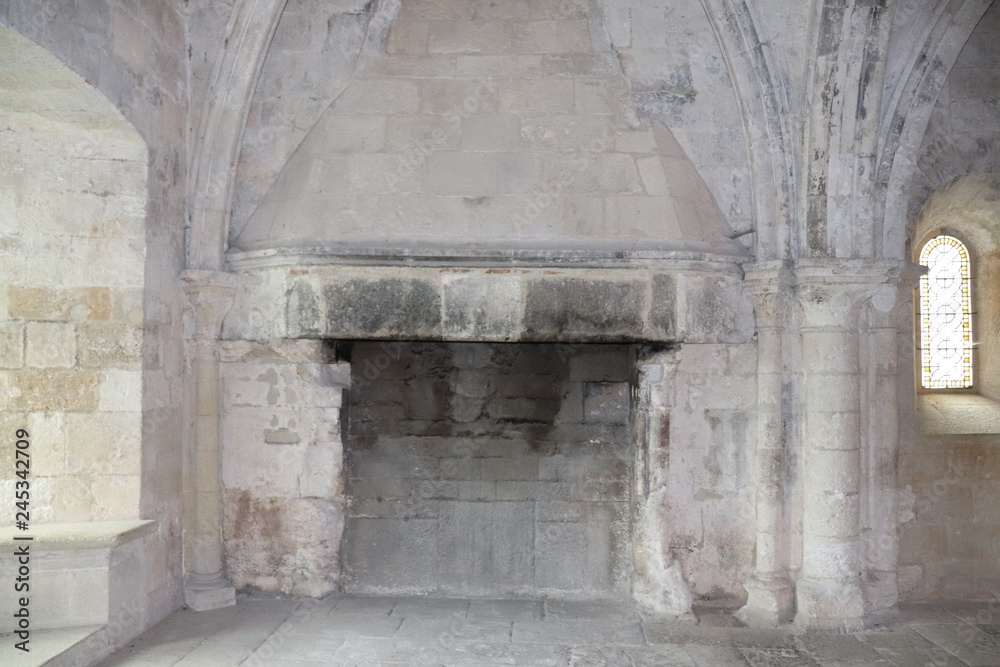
687	302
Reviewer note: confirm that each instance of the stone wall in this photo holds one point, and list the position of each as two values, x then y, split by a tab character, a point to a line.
489	470
282	467
710	468
948	540
73	242
134	54
670	57
949	454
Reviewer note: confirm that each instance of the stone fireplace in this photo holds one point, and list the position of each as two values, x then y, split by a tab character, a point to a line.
476	467
463	307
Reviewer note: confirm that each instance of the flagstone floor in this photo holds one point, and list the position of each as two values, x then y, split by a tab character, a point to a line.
355	631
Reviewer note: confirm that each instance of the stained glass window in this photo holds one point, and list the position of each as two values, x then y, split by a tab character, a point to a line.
945	315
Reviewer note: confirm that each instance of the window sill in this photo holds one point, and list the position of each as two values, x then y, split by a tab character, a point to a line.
957	414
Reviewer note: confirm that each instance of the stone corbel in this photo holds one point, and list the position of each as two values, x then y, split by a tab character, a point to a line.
659	586
210	295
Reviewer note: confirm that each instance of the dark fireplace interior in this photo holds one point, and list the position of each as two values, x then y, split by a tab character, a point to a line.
488	470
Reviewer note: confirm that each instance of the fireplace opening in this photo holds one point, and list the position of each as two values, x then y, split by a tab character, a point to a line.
488	470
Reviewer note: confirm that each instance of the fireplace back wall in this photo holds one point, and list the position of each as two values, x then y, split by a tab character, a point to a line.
488	470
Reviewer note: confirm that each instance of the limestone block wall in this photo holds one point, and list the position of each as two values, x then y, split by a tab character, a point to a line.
491	470
282	467
949	535
312	57
134	53
72	210
712	520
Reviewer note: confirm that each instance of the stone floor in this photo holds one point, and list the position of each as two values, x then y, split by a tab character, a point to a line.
382	631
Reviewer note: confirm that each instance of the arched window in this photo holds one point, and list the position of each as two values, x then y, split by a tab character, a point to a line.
945	315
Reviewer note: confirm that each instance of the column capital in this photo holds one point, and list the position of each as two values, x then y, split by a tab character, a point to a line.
210	295
830	291
770	286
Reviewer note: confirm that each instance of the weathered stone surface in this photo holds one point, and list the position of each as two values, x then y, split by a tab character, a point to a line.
599	310
283	545
716	308
449	441
51	389
50	345
360	308
108	345
11	345
304	309
663	314
480	306
103	444
52	303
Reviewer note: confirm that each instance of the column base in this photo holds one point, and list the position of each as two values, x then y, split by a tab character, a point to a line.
881	592
829	605
204	592
769	603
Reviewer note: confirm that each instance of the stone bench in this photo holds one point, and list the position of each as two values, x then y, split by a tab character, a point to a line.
80	573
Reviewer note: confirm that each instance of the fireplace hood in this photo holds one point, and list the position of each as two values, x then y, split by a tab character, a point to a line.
487	177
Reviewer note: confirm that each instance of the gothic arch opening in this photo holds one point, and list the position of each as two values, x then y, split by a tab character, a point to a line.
72	239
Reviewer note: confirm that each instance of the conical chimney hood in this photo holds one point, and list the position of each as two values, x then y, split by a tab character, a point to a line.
501	126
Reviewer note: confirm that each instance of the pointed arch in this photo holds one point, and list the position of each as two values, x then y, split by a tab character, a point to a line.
210	189
909	112
764	107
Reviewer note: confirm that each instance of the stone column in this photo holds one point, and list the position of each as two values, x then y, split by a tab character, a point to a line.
210	296
659	586
769	591
830	292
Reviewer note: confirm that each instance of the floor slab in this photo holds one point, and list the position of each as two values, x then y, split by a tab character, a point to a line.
351	631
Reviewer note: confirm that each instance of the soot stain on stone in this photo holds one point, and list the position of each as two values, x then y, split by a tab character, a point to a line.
584	307
390	307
